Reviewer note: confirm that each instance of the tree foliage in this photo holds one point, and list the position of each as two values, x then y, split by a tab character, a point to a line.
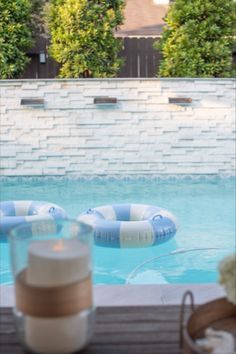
39	9
82	36
197	41
15	36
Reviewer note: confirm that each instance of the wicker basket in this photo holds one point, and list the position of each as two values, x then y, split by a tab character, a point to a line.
219	314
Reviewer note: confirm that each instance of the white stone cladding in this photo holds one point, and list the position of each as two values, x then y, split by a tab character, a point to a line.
142	135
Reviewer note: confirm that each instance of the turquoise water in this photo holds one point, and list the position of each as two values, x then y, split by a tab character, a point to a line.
205	209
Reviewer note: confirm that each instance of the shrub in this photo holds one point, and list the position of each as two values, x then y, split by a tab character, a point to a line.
82	37
197	41
15	36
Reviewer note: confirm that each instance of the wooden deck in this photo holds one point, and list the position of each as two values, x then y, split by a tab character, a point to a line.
119	330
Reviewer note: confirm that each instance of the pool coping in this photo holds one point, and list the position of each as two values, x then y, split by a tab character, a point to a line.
138	295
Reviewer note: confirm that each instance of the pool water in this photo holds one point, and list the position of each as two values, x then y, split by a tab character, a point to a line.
205	209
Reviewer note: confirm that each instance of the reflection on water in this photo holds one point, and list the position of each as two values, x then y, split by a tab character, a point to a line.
205	211
190	266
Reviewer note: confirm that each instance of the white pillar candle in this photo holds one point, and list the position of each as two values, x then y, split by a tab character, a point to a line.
57	262
54	263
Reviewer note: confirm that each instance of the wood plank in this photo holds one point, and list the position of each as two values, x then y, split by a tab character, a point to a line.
118	330
132	349
143	57
132	54
152	58
139	309
140	326
11	350
124	72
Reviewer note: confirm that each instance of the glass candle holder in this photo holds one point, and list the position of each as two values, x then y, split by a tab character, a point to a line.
51	264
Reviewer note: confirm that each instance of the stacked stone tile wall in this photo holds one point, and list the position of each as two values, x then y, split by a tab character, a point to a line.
143	134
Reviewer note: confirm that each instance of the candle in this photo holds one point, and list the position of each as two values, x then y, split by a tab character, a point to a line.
57	263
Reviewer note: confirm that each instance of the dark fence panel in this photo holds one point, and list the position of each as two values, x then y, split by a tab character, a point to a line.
37	70
140	59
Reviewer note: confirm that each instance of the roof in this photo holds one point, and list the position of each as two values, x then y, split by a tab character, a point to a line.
142	18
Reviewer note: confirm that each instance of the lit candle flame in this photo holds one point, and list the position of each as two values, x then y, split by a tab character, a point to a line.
59	246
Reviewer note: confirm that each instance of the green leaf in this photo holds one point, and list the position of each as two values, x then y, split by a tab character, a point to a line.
197	41
15	36
82	37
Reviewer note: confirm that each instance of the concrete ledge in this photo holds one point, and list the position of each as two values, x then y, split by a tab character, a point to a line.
136	295
207	79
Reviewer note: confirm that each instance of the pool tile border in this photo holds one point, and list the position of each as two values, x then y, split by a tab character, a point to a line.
136	177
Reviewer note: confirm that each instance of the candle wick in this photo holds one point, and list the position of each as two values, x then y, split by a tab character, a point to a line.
59	246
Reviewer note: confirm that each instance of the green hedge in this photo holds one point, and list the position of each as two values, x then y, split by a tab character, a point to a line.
15	36
82	37
197	41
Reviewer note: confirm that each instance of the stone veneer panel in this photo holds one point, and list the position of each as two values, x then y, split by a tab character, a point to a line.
142	134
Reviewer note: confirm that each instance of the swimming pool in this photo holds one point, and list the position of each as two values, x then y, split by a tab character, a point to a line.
205	208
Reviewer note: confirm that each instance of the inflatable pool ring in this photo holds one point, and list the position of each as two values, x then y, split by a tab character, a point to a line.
14	213
130	225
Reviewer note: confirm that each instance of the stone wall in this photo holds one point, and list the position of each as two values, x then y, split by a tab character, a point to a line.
142	134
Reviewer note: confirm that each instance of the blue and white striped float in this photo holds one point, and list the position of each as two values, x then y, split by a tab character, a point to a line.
14	213
130	225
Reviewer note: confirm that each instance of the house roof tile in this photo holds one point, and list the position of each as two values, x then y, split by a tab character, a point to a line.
142	18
